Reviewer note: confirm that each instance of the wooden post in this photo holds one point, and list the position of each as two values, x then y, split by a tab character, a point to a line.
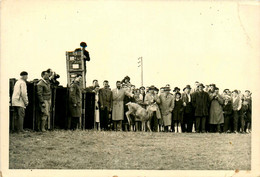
140	61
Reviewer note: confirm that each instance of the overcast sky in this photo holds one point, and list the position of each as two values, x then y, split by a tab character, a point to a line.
180	42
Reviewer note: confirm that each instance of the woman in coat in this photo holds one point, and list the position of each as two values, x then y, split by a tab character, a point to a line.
178	112
216	116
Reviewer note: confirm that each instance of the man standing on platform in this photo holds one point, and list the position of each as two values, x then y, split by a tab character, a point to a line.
118	95
20	101
75	101
105	98
44	96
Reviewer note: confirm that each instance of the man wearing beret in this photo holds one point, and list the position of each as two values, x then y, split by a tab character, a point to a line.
20	101
44	96
201	104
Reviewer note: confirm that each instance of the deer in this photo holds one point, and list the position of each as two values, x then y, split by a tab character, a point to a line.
141	114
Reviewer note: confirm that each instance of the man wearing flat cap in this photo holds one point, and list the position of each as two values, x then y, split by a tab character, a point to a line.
188	117
201	104
20	101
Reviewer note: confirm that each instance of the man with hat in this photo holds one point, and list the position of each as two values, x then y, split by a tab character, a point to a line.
216	117
86	57
75	98
236	103
212	88
166	105
20	101
188	116
161	90
201	104
176	89
152	98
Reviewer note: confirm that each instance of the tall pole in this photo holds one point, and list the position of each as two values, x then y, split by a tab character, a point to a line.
140	61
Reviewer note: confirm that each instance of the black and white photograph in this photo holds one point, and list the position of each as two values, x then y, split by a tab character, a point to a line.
130	88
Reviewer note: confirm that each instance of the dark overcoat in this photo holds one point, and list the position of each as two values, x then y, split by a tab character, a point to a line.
105	98
75	96
216	111
178	111
201	103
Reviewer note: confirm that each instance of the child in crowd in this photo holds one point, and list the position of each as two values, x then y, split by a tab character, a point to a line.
178	113
228	111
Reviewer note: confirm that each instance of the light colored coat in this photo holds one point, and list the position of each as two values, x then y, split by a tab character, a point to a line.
216	111
19	97
118	103
166	105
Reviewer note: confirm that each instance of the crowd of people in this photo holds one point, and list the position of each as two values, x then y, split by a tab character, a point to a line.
199	109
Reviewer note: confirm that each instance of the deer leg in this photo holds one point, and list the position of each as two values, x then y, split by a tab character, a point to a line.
148	126
128	116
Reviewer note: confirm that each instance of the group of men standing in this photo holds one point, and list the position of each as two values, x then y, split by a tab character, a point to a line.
200	107
44	94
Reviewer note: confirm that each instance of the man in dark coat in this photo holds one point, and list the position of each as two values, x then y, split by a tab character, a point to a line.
92	88
75	102
201	104
188	116
105	99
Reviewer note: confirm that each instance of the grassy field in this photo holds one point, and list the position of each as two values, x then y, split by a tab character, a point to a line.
129	150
